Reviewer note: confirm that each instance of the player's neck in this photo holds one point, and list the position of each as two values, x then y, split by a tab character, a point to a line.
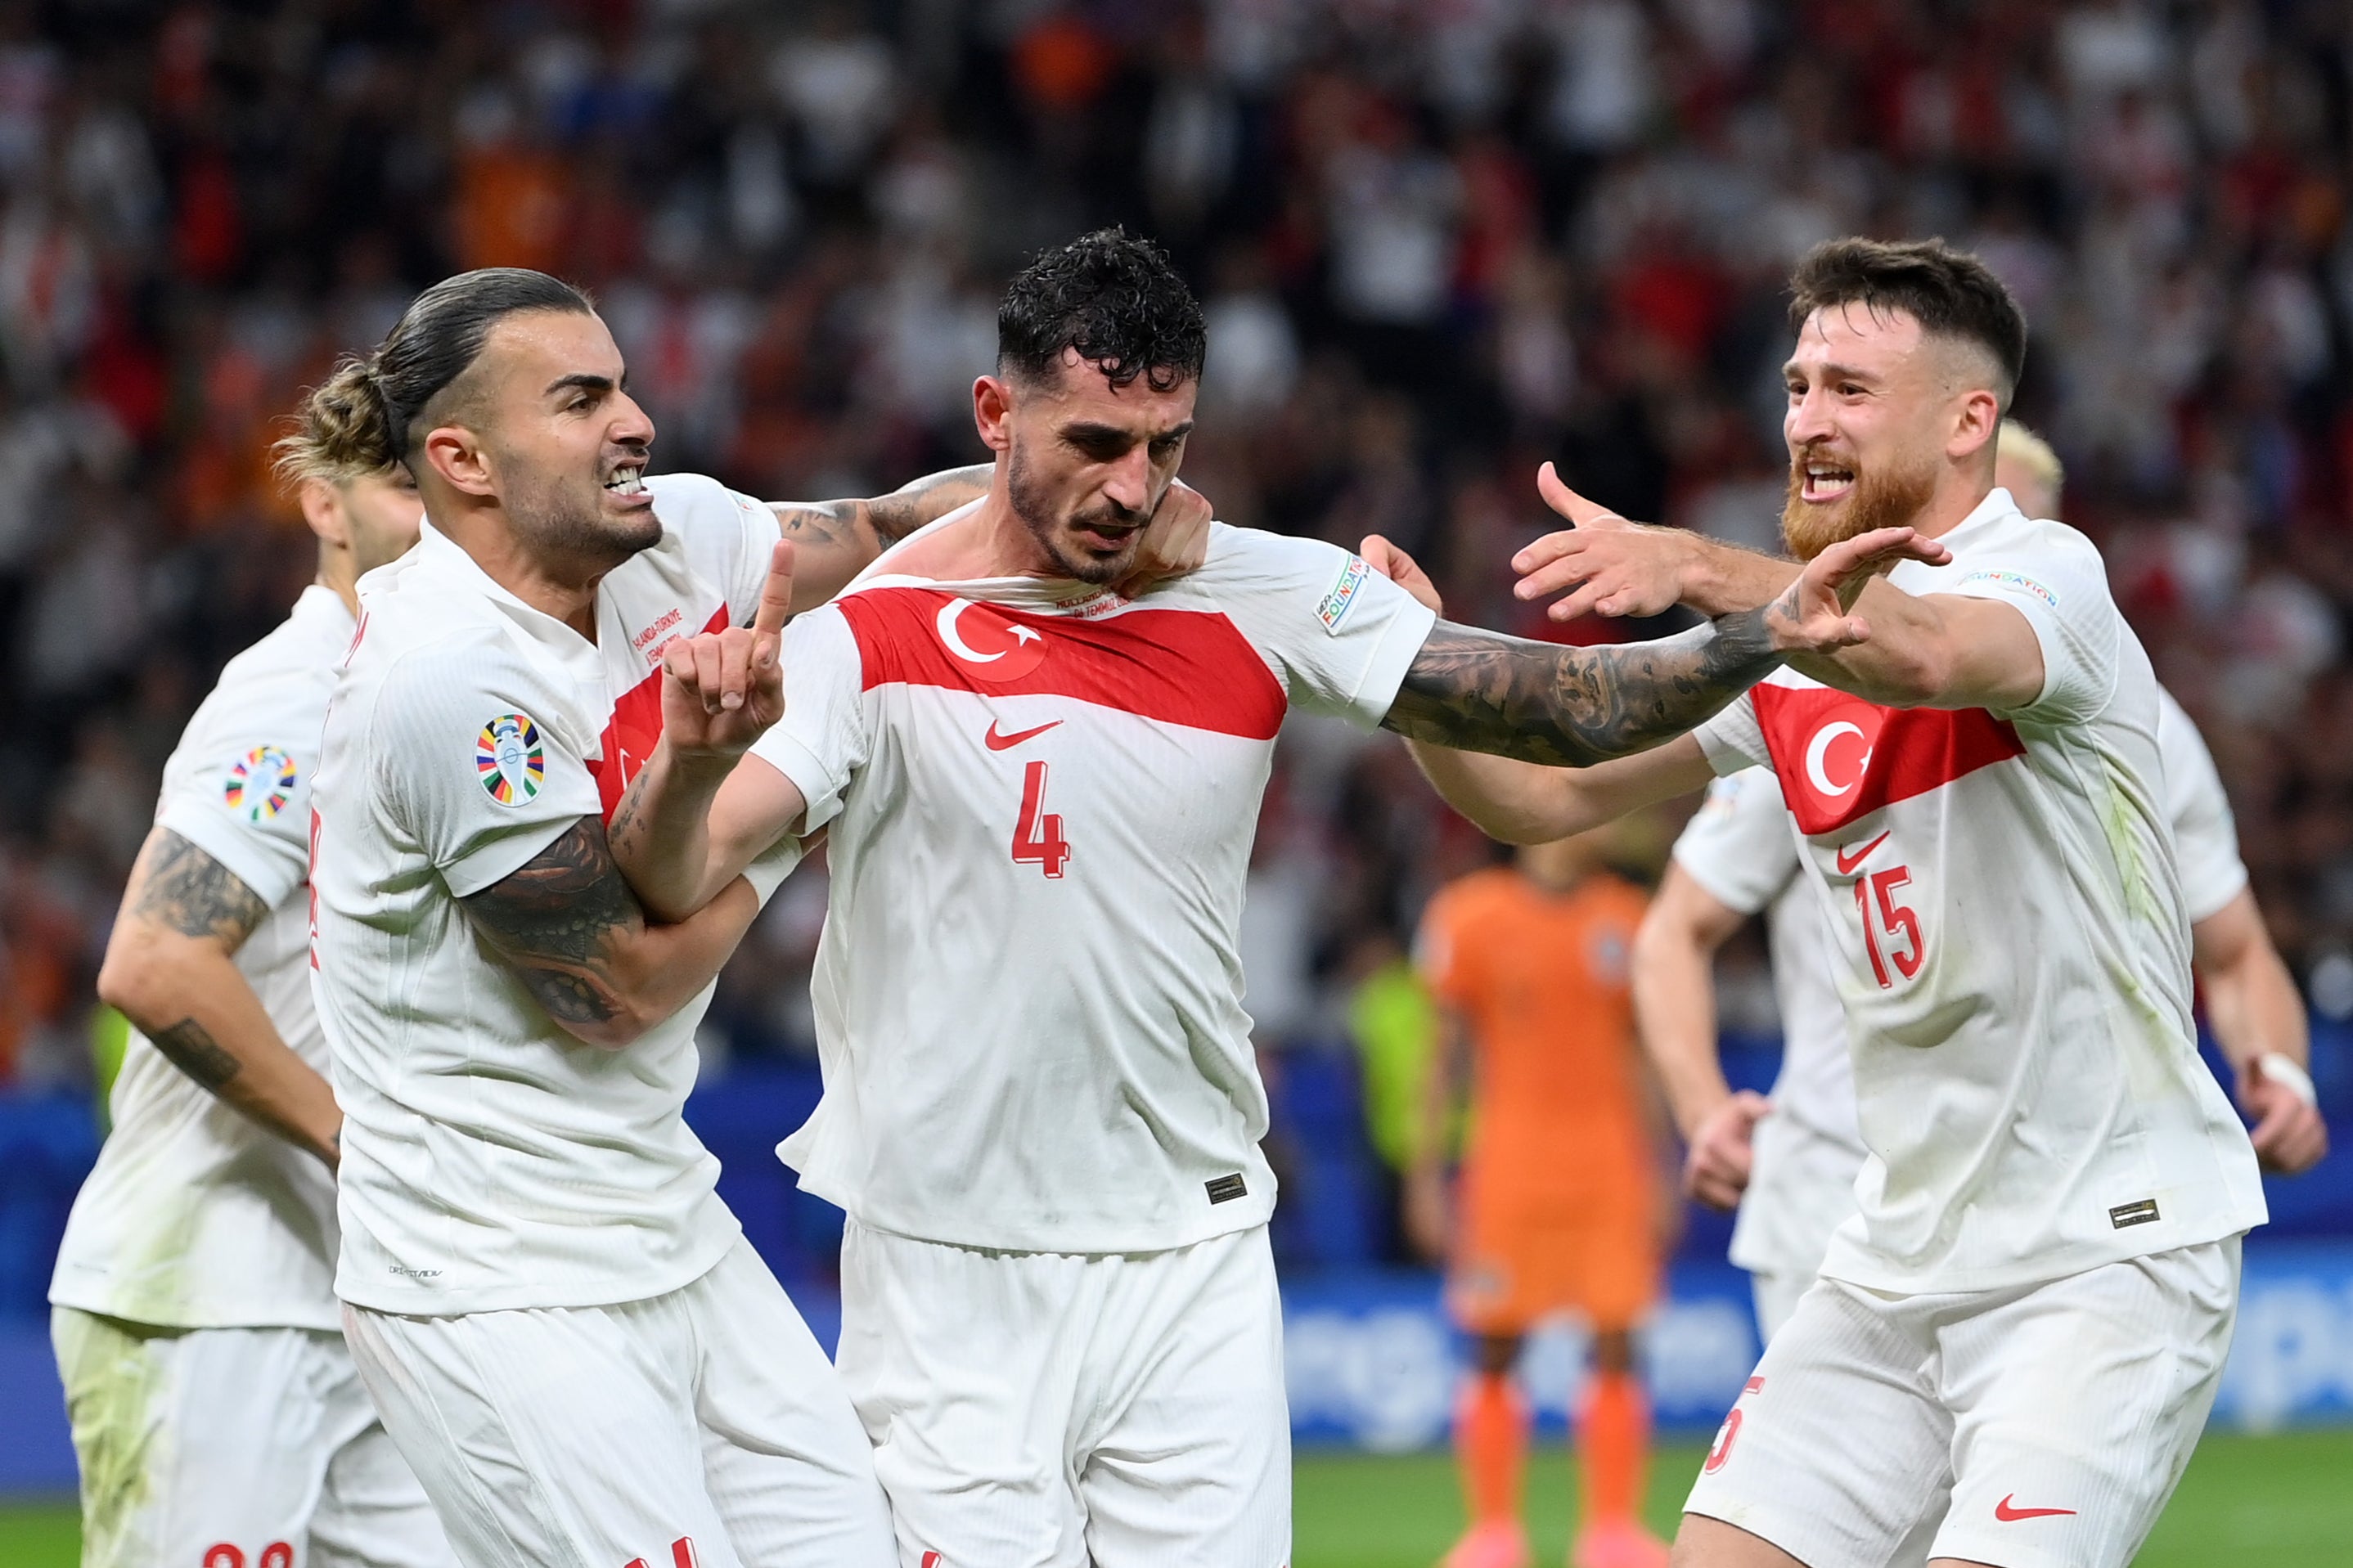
339	573
553	584
990	541
1958	493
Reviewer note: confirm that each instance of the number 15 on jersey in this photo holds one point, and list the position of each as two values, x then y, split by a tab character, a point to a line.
1038	835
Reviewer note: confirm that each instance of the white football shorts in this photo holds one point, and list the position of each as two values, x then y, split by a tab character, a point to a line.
2045	1426
703	1428
1056	1410
234	1449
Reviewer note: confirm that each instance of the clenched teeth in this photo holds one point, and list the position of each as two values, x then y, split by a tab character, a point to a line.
627	482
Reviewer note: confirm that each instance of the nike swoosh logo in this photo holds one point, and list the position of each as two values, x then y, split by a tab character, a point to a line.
1848	862
2003	1512
997	742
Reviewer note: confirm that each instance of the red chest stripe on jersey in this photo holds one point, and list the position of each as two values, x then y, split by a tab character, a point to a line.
630	735
1839	758
1179	667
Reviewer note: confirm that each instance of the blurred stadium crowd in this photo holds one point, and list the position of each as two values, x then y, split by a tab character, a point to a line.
1438	241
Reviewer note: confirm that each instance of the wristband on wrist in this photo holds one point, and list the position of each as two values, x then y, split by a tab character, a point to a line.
2289	1073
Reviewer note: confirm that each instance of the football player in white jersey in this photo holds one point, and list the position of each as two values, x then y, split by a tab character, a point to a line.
214	1406
1788	1162
1042	1112
559	1321
215	1414
2021	1332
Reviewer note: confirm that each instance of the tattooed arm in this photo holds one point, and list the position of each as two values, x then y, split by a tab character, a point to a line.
1573	707
170	968
1570	728
833	540
569	927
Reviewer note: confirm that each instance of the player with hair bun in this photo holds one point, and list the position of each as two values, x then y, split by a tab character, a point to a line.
213	1402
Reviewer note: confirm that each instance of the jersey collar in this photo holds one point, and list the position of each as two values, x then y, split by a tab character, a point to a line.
435	554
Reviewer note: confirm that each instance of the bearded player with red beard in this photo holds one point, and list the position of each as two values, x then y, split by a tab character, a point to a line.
2012	1347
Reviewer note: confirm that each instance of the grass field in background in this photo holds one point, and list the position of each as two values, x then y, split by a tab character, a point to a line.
2282	1501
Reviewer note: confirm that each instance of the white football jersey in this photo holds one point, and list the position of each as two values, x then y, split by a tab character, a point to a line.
195	1217
2204	833
1041	798
492	1161
1743	850
2013	949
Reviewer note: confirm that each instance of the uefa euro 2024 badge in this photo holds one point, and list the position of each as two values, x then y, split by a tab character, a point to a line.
508	756
260	784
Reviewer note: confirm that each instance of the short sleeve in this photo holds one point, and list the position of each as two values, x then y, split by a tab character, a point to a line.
820	743
1341	635
729	536
243	795
1733	740
1740	846
2206	838
2061	586
473	768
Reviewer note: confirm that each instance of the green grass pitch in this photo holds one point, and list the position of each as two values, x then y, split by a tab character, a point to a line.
2280	1501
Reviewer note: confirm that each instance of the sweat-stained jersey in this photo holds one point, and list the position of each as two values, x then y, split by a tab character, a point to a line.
1041	798
490	1160
195	1216
2013	952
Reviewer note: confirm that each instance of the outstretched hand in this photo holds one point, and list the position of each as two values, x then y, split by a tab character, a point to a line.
1810	616
721	690
1616	567
1175	541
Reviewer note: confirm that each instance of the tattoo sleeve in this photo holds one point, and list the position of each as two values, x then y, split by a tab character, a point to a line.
866	527
553	920
1571	707
190	1046
185	889
927	500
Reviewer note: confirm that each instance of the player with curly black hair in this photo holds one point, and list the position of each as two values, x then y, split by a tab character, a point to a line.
1042	1112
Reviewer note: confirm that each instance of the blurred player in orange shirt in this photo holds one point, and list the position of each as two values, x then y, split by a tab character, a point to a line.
1559	1203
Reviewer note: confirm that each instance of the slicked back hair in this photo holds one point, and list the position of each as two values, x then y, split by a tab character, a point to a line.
1112	297
362	420
1951	293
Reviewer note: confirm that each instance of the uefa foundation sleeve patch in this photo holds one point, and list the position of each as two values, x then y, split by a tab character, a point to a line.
260	784
509	759
1341	598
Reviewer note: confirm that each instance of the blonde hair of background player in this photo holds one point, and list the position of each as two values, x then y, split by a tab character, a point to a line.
2026	467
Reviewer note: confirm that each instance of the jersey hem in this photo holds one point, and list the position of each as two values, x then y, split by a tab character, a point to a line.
405	1304
1248	1216
2058	1263
191	1322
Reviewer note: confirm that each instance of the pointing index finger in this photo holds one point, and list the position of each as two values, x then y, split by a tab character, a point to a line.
776	593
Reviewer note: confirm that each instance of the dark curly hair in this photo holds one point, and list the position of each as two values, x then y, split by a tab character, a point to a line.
1113	297
1949	292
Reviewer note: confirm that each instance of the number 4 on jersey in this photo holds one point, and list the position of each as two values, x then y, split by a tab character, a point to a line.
1037	836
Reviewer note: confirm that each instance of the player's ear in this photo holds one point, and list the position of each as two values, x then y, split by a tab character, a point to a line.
1976	422
322	508
991	412
453	452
